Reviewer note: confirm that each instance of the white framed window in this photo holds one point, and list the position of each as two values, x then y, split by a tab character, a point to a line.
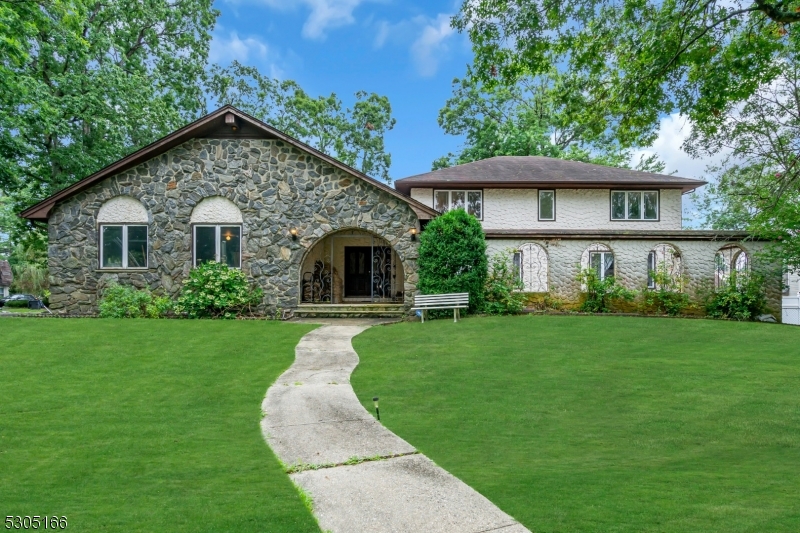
634	205
471	201
547	205
602	263
217	242
530	264
123	246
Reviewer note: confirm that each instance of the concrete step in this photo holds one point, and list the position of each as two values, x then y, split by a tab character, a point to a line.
380	310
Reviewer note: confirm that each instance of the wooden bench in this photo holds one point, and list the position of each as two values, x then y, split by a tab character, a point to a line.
456	301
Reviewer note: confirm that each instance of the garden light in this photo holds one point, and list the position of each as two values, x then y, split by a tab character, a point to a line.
377	411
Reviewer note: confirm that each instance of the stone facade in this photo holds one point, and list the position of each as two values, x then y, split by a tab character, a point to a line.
575	209
275	186
630	258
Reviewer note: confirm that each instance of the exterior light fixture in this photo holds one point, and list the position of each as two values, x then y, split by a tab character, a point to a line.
230	120
293	233
413	234
377	411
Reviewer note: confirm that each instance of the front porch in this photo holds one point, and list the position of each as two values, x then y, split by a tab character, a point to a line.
349	269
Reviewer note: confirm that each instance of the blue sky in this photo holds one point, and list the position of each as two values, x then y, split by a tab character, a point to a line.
404	50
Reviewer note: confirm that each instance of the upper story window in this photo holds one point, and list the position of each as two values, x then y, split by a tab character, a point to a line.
123	224
634	205
472	201
547	205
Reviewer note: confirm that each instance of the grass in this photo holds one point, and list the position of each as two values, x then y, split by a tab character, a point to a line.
144	425
608	424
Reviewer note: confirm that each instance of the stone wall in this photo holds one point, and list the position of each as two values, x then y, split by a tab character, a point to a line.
630	258
276	187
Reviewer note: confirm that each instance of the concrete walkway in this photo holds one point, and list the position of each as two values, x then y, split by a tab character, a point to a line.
314	423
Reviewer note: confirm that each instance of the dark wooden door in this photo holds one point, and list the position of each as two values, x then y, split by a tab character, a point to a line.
357	271
367	271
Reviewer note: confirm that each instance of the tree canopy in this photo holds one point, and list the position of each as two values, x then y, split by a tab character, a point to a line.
524	118
627	62
354	135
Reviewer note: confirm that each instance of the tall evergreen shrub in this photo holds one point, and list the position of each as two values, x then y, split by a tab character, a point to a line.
452	257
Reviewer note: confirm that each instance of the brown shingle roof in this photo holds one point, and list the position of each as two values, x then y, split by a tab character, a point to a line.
536	171
6	277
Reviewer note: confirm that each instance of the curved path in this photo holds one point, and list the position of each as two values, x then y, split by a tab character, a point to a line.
314	423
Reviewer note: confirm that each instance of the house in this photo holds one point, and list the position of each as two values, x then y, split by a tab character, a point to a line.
305	227
316	234
6	278
556	217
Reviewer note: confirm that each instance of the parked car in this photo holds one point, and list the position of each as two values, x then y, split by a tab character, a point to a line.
22	298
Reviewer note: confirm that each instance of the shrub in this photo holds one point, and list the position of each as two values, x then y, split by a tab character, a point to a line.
599	293
215	291
503	286
120	301
16	303
743	297
452	257
667	296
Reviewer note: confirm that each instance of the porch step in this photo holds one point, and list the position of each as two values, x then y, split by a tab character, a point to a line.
380	310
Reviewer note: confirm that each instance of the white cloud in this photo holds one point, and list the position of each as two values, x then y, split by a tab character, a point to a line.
673	131
325	14
226	49
431	45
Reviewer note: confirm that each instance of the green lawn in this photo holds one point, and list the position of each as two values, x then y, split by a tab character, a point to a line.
144	425
608	424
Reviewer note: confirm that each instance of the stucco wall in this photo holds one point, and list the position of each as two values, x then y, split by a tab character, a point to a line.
275	186
575	209
630	256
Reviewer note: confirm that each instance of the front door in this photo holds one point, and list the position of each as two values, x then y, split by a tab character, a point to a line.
360	262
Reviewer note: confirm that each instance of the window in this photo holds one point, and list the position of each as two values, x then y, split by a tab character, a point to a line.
218	243
533	267
472	201
547	205
602	263
634	205
665	260
123	246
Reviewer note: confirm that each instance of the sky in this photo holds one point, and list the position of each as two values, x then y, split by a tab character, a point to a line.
405	50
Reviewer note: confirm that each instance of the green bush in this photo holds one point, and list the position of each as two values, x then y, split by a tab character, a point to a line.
599	293
742	297
452	257
666	297
120	301
215	291
16	303
503	286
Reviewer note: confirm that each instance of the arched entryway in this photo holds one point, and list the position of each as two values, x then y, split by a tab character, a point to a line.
351	266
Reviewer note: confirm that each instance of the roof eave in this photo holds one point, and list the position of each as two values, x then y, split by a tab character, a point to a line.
41	210
406	187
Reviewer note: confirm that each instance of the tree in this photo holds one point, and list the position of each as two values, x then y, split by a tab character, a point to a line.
83	83
757	187
354	136
452	257
627	62
525	118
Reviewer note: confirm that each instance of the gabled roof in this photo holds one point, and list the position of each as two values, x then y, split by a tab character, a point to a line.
211	125
520	172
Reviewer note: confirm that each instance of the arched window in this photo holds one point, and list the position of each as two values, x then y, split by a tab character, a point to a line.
217	232
730	259
600	258
664	261
123	233
531	263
